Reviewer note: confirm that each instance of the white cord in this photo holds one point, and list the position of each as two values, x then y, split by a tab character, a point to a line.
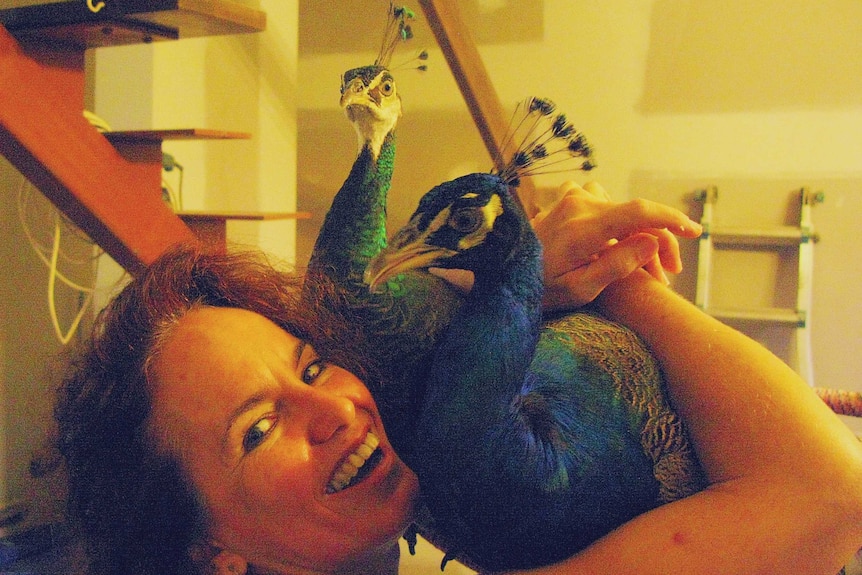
34	243
52	280
54	273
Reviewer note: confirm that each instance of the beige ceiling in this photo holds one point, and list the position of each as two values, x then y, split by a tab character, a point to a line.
327	27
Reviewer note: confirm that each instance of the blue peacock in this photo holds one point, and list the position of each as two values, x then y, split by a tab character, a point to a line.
534	437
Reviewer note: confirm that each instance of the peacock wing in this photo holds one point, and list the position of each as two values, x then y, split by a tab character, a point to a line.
618	352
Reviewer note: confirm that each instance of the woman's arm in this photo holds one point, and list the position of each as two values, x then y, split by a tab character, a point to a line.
785	473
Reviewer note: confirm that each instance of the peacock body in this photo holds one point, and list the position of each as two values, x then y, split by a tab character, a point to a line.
385	337
533	438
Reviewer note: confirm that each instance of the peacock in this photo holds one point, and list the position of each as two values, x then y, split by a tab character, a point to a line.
534	437
384	337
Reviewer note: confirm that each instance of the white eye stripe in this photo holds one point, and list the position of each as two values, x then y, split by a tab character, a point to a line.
439	220
490	211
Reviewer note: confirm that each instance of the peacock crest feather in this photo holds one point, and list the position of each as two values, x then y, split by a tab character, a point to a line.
545	141
397	31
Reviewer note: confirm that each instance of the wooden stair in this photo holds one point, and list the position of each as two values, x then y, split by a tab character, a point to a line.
44	134
109	186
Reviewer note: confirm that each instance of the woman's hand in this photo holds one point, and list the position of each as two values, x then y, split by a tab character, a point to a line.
590	242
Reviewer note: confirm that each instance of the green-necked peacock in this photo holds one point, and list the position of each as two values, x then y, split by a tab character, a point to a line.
533	440
385	337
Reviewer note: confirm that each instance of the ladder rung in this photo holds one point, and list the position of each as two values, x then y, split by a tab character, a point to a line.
774	315
777	236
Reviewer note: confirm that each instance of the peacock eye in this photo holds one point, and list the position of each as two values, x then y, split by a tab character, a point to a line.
465	221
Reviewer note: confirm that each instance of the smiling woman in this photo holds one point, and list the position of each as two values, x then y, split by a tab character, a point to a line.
196	422
207	429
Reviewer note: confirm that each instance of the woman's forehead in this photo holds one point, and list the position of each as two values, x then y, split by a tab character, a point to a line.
213	360
213	354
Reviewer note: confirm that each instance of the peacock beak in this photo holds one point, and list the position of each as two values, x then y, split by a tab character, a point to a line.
398	259
350	99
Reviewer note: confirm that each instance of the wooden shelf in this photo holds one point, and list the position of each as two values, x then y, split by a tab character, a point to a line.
73	24
154	136
211	227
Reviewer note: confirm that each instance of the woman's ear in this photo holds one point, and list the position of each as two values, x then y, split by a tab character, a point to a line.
227	563
211	559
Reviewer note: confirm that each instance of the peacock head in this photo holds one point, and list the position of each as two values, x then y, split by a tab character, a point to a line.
369	96
476	222
471	223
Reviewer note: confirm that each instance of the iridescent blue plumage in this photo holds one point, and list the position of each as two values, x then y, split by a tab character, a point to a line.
532	442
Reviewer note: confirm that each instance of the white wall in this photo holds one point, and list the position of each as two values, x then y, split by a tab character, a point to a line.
30	353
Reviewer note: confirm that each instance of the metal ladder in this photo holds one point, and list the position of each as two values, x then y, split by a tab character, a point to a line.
763	239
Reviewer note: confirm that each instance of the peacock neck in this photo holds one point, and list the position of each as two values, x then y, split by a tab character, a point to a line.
354	229
518	281
494	335
484	358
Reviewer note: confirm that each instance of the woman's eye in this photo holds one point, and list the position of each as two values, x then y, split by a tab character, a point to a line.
313	371
257	433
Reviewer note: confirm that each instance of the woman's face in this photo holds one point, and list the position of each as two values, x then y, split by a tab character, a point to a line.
271	437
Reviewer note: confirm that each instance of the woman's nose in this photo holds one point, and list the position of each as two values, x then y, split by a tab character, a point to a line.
328	413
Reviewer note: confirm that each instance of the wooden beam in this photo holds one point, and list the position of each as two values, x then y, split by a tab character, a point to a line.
470	74
43	133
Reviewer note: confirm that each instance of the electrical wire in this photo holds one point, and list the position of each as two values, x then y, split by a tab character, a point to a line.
38	248
52	305
50	257
172	197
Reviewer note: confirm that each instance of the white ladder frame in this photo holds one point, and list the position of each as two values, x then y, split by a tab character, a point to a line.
763	239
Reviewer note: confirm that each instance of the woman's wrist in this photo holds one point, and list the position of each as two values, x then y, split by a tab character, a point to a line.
624	297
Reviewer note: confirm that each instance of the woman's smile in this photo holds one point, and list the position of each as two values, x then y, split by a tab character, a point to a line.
357	465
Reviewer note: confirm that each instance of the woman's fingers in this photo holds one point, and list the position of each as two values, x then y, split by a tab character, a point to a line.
581	285
590	241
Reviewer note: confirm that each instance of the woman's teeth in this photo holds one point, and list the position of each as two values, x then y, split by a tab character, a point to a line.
354	462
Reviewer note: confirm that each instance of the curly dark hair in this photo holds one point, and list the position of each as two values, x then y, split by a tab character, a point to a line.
136	511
